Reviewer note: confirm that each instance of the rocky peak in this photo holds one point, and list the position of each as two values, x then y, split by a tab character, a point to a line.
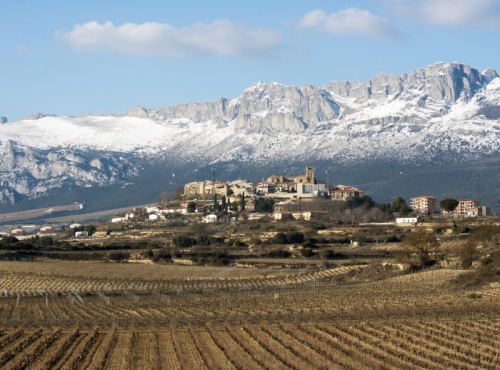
440	81
137	111
276	107
216	111
447	81
490	73
3	120
37	115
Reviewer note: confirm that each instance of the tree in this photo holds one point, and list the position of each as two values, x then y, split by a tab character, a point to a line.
386	208
90	229
365	201
223	203
263	205
448	204
399	206
178	192
242	202
469	253
191	207
487	235
164	198
422	243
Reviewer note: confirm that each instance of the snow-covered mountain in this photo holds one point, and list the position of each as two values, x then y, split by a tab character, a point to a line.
443	113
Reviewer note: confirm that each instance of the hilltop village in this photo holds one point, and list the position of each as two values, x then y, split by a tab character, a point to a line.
300	197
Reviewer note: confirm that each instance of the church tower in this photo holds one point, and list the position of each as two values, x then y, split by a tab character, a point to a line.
310	175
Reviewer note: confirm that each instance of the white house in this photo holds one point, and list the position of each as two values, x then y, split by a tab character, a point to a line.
314	215
407	220
282	215
153	209
74	226
156	217
81	234
118	218
172	210
210	218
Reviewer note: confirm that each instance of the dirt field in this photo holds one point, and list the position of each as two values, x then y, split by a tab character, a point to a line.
40	212
68	315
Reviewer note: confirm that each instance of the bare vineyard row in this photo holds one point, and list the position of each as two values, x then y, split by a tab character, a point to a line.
385	345
24	284
395	298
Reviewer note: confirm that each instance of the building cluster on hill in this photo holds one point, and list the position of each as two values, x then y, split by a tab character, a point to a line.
275	187
291	197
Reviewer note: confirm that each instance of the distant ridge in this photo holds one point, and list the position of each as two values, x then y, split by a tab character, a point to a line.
442	114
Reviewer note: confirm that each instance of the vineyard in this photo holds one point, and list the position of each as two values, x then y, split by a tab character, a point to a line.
232	318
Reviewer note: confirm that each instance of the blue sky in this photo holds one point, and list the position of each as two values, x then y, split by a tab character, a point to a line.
71	57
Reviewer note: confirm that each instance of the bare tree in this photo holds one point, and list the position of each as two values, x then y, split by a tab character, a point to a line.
423	244
164	198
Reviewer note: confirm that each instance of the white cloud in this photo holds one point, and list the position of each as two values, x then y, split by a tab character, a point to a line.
485	13
220	37
351	21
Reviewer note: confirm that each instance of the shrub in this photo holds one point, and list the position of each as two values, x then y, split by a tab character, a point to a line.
306	252
278	253
290	238
340	241
295	237
119	256
256	241
235	243
393	239
9	240
209	240
183	241
279	238
310	243
329	254
163	254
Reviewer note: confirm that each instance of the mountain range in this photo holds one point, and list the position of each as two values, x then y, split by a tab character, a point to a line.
433	131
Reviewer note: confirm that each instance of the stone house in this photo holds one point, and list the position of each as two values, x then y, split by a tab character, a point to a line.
344	192
46	230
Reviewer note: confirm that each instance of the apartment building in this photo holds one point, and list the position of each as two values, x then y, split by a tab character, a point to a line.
425	204
467	207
